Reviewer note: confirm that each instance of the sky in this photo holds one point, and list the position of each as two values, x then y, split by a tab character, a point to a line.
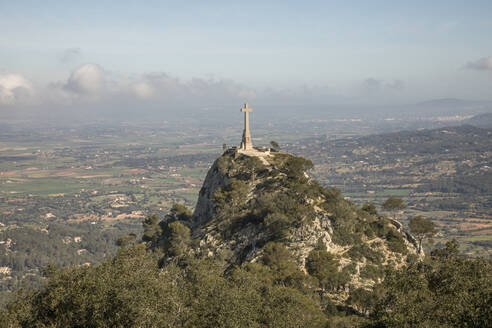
80	54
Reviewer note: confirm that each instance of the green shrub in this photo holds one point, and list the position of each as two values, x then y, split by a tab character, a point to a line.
370	208
178	238
380	227
362	299
369	233
152	229
343	236
224	164
412	258
180	212
284	268
360	251
132	291
350	269
446	291
372	272
324	267
278	225
395	242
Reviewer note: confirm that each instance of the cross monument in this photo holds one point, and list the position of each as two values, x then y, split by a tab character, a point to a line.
246	142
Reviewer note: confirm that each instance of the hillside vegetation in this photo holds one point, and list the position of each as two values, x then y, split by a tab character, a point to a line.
132	290
441	173
266	247
247	203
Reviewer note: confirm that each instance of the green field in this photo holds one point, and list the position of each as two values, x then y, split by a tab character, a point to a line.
44	186
478	238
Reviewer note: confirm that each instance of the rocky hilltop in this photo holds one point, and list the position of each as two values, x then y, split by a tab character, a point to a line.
251	200
266	247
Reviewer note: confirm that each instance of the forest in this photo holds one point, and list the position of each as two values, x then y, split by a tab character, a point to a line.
133	290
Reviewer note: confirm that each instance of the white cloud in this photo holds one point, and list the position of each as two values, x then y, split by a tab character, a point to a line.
14	89
91	86
143	90
482	64
157	86
160	86
88	79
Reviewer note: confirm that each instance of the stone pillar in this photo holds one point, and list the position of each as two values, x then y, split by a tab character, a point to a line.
246	143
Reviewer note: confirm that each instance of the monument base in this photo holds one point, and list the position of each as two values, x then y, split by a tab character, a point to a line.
246	146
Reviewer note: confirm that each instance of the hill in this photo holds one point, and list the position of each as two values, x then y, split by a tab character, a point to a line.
265	247
481	120
248	201
448	106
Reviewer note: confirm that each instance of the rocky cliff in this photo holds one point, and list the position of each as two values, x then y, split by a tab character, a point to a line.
248	201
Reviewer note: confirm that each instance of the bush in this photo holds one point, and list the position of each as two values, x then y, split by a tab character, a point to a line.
343	236
380	227
180	212
395	242
349	269
278	225
177	239
362	299
224	164
285	270
152	229
372	272
132	291
324	267
360	251
370	208
293	166
445	291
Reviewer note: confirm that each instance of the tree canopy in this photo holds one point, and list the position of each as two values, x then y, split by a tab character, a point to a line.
132	291
180	212
275	145
393	205
445	291
152	230
370	208
422	228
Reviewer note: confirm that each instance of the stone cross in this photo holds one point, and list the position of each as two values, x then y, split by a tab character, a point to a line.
246	142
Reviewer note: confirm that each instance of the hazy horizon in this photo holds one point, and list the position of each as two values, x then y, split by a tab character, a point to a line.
127	60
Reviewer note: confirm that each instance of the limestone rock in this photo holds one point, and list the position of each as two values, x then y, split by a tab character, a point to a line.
273	199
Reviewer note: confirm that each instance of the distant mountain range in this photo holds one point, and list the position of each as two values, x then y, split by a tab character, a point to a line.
481	120
227	113
454	102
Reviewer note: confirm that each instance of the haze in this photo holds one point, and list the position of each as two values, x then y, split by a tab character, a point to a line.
129	59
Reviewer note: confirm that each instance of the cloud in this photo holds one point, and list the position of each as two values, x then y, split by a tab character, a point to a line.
88	79
482	64
143	90
91	88
160	86
69	55
15	89
157	86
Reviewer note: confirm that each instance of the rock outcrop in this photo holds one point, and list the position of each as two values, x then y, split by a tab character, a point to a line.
248	201
204	209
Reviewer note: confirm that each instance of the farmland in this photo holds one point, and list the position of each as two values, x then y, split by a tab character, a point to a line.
68	193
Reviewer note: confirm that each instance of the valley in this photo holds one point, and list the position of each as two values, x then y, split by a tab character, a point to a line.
67	194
